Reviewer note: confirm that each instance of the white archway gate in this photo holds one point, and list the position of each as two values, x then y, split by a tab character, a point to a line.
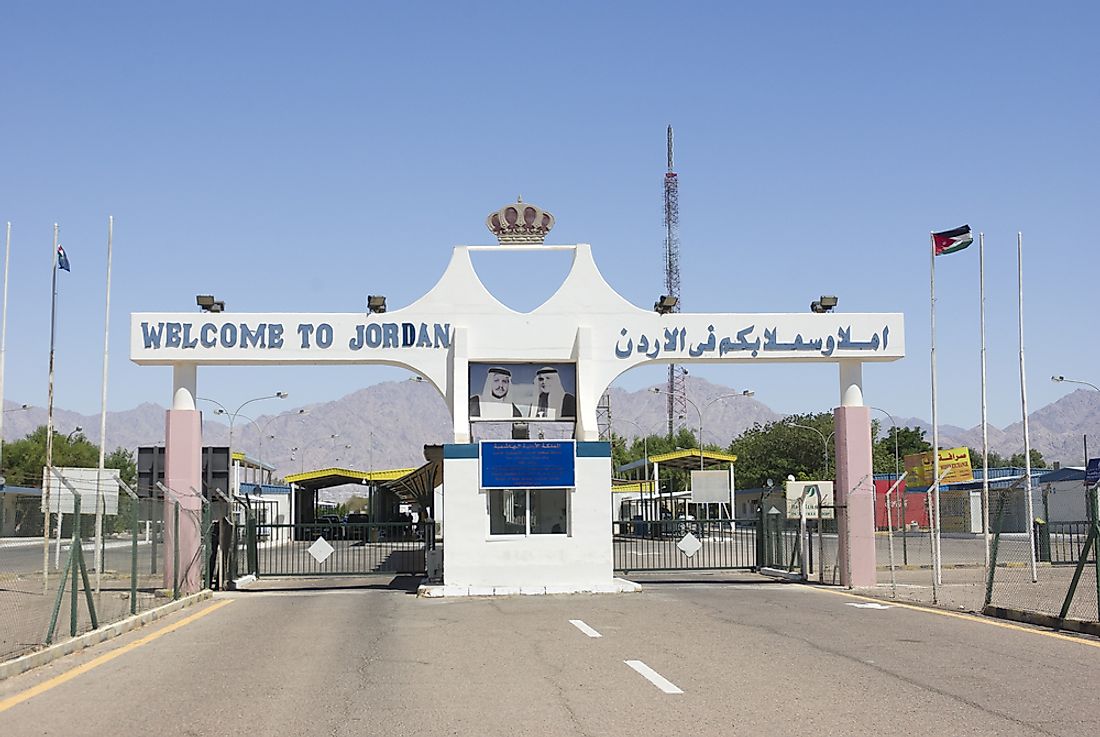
586	324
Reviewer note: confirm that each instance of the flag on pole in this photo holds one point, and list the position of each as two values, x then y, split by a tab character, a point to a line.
62	259
949	241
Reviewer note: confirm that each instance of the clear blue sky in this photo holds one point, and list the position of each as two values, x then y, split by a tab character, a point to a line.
299	156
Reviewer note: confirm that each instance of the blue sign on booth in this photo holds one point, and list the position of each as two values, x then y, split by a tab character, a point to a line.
1092	471
528	464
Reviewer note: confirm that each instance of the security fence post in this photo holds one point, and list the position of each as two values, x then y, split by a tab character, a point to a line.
993	548
229	570
1095	506
151	501
204	545
134	517
761	546
82	565
776	533
176	551
1042	537
74	548
253	556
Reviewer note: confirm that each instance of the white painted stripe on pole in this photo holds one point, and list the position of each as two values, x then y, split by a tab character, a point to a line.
584	628
653	676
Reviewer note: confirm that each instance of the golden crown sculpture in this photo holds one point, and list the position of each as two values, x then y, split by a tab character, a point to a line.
520	223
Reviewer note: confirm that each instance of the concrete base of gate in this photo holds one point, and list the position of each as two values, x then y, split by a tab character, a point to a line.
436	591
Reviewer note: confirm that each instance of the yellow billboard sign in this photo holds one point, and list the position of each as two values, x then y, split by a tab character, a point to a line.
955	461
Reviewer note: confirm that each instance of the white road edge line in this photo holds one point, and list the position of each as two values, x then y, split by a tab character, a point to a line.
584	628
653	676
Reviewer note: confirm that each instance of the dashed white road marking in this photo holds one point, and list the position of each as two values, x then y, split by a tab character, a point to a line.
653	676
584	628
867	605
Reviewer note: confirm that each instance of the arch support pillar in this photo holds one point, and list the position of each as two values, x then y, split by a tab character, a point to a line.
183	479
855	486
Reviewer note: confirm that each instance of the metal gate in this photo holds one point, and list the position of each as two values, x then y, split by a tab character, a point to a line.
334	548
1061	543
702	545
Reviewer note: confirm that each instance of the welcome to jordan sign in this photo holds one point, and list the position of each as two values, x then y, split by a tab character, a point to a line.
459	322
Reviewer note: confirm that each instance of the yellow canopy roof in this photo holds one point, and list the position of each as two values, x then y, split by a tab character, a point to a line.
336	476
678	455
634	487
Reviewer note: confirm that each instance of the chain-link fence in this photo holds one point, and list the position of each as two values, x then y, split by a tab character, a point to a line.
73	597
1064	581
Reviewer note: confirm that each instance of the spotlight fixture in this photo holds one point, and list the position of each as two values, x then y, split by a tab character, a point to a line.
521	431
825	304
376	303
207	303
665	304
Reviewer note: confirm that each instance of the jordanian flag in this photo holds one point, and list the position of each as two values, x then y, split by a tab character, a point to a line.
950	241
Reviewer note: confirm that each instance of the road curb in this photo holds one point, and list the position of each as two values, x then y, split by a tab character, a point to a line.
1043	620
958	566
25	663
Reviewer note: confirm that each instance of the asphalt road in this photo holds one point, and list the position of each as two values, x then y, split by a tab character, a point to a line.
750	659
24	558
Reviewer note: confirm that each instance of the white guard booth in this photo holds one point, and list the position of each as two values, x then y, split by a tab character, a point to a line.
530	514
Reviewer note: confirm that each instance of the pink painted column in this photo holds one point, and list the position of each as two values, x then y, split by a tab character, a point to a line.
183	479
855	495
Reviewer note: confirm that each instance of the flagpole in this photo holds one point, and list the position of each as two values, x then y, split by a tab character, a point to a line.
49	420
4	336
1023	404
99	501
935	521
985	420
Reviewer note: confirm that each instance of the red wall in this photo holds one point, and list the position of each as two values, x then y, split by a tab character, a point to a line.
916	508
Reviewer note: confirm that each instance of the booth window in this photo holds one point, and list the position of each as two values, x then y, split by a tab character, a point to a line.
529	512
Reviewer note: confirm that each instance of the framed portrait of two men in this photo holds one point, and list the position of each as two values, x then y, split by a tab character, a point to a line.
540	392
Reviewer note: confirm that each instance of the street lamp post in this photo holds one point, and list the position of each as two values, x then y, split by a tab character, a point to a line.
60	514
301	458
1058	379
233	415
333	437
645	448
699	411
261	430
232	420
824	440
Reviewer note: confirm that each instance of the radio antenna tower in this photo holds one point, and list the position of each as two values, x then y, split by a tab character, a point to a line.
603	417
676	390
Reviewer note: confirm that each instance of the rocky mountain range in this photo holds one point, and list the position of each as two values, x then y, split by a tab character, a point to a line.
387	425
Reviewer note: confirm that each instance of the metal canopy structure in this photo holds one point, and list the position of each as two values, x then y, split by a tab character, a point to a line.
324	478
418	487
619	486
686	459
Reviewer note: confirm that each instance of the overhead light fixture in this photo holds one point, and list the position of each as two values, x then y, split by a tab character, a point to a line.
825	304
207	303
282	395
665	304
376	303
1057	379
